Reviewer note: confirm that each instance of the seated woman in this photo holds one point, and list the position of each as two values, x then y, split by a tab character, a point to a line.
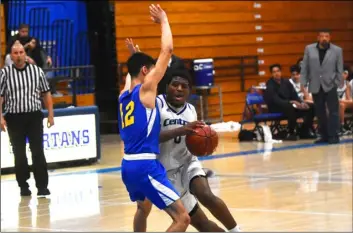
345	94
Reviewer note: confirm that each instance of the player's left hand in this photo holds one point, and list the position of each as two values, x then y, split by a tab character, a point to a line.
190	127
130	46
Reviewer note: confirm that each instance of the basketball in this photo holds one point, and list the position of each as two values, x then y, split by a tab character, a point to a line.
203	142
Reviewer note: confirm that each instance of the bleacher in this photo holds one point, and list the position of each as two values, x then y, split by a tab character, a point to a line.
2	35
229	94
241	44
63	35
268	30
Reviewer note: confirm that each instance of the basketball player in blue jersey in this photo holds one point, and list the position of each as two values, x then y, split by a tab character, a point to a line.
179	118
144	176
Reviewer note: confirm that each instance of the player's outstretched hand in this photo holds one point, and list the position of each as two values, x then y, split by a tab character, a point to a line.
131	47
190	127
158	15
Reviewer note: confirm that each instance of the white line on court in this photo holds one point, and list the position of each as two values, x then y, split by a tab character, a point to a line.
291	212
42	229
294	177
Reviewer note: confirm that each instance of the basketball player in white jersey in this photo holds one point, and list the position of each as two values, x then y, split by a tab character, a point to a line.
178	118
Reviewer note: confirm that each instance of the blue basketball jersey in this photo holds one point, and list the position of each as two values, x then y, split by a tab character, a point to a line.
143	175
139	126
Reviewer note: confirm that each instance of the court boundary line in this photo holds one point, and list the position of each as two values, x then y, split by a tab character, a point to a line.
211	157
283	211
40	229
293	177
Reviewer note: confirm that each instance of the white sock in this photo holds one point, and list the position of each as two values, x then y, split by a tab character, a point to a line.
235	229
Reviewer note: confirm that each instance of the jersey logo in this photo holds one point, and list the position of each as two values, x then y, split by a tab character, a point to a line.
174	122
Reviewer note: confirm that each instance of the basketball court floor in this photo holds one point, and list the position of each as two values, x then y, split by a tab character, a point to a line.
290	186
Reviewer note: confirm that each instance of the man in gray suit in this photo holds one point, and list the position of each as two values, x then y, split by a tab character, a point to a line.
322	69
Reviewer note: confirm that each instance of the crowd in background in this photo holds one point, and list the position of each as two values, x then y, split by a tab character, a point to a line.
282	95
320	86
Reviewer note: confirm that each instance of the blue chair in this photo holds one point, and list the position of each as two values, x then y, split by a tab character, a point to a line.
257	117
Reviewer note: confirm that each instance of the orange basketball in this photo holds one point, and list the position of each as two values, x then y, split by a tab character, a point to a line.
203	142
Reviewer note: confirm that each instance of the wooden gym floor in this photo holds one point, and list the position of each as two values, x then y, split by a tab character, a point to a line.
294	186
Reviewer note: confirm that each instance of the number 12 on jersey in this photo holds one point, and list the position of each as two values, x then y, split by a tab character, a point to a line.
127	118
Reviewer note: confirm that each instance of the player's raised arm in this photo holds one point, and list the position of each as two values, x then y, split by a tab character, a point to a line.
127	83
148	90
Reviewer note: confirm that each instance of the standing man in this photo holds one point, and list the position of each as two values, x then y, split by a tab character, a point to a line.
21	85
322	69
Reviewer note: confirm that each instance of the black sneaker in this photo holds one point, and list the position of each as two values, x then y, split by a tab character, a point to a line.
334	140
307	135
321	140
43	192
25	192
291	137
348	129
343	131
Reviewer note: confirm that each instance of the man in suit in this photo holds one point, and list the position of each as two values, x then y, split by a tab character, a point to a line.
322	69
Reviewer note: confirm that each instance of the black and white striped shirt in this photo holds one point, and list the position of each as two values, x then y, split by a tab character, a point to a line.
22	88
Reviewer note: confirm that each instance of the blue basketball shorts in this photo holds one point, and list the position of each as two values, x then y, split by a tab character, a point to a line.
148	179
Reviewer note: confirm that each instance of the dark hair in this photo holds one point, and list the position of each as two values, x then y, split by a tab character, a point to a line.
137	61
326	30
182	73
295	68
299	60
275	65
23	25
346	68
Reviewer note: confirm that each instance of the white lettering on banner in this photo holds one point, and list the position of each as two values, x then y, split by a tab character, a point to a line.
202	67
71	138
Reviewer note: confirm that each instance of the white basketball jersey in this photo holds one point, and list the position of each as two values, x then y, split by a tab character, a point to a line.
173	153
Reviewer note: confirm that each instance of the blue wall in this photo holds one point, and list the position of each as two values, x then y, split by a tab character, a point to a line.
67	37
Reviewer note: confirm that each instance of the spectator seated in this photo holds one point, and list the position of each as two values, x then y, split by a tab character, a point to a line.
346	103
280	96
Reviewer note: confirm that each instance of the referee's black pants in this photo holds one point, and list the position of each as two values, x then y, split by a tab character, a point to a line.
28	125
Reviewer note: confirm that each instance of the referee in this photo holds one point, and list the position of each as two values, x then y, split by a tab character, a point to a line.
21	87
